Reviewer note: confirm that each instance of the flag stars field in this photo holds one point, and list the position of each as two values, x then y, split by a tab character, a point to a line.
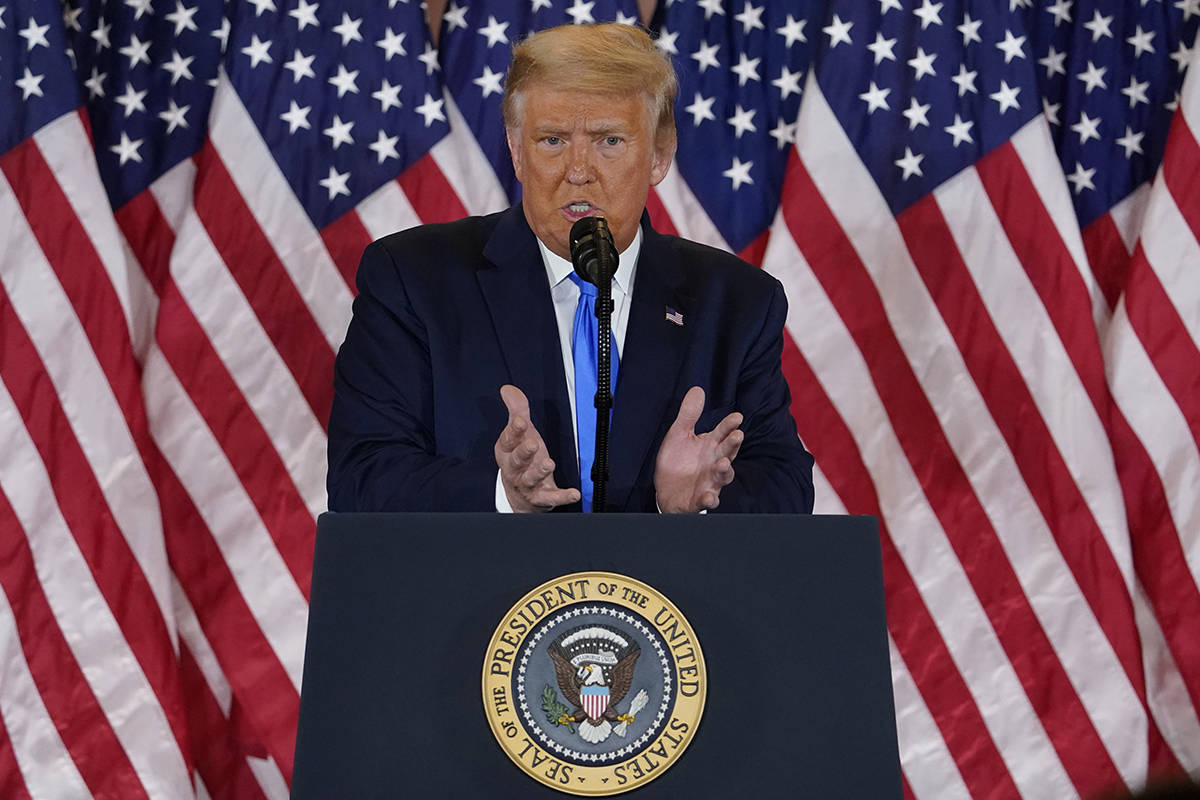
183	18
258	51
929	13
739	173
296	117
431	110
581	12
1093	78
1061	11
392	44
922	64
34	35
300	66
494	32
751	18
742	120
706	56
1011	46
1054	62
137	51
490	82
666	42
175	116
910	163
388	96
305	14
792	31
701	109
1006	96
746	69
875	98
348	29
179	67
454	17
881	48
30	85
838	32
970	30
336	183
1081	178
71	18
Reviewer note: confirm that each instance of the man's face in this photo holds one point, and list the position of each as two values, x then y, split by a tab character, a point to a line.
579	154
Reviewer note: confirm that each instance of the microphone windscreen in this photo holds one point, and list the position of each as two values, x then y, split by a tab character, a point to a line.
592	243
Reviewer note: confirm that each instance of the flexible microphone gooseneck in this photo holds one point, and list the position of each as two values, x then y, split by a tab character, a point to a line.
594	255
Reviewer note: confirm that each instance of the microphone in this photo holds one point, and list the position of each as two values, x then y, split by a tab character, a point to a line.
595	258
593	251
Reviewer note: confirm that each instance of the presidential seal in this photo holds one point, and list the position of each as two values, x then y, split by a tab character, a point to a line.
594	683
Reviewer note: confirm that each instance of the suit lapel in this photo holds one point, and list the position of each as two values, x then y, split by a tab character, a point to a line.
518	300
650	362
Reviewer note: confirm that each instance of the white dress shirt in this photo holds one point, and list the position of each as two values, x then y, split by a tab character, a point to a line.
565	295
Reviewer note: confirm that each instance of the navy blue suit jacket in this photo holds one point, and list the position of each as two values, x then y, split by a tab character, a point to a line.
448	313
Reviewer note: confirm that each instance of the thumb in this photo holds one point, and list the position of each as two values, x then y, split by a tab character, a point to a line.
515	401
690	409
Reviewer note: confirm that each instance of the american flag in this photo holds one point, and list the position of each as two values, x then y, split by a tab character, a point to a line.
985	219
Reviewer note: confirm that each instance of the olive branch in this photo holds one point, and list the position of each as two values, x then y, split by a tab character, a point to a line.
555	710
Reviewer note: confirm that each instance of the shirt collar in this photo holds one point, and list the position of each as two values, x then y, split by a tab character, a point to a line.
557	268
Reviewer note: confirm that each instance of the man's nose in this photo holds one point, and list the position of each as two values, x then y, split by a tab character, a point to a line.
579	168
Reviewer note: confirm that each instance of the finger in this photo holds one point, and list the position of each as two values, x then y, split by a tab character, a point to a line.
709	501
515	401
549	498
737	449
729	446
723	473
535	474
690	409
523	454
512	434
727	426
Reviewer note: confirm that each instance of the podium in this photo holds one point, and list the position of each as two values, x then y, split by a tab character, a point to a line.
788	611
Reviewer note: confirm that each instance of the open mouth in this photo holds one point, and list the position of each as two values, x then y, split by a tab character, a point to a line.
576	211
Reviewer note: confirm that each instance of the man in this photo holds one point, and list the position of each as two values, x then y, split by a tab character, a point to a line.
454	389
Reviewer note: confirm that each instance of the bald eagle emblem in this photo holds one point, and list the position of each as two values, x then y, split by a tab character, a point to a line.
593	665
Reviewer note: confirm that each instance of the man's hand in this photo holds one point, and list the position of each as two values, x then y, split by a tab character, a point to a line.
526	469
691	470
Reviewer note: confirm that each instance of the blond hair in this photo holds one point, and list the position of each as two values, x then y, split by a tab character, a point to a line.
608	57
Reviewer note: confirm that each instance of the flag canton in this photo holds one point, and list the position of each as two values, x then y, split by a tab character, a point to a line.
741	69
1110	73
344	94
924	89
146	72
476	44
37	84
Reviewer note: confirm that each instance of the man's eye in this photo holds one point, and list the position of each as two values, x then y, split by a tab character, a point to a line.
552	140
612	141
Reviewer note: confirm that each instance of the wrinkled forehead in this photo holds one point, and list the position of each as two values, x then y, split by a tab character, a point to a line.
543	105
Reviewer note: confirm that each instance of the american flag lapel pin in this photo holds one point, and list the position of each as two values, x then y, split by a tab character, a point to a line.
674	316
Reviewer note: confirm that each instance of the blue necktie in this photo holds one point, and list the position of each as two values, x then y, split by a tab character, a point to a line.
584	339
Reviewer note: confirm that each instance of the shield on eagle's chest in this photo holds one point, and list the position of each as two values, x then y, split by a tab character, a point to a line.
595	700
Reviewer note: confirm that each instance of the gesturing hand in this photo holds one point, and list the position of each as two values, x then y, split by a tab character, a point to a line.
526	469
691	470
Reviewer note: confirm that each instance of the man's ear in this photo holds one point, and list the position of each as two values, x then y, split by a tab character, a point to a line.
512	136
660	161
